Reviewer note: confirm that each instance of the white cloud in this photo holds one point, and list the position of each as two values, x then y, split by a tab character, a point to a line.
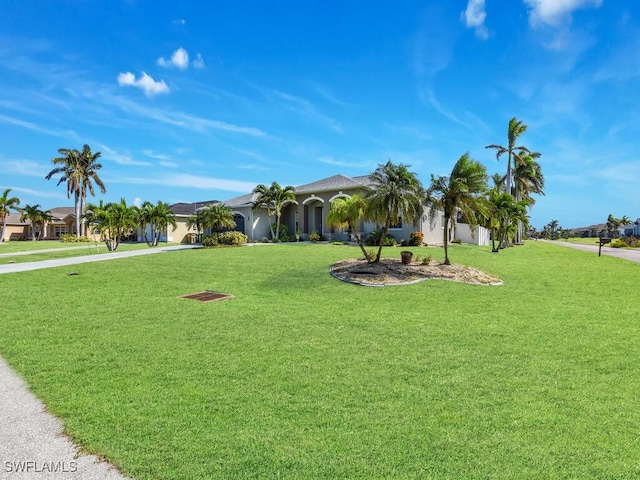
137	202
147	84
555	13
179	21
198	62
179	59
474	17
119	158
346	164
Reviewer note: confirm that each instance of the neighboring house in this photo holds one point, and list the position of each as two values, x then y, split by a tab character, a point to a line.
309	210
63	221
594	231
15	228
182	211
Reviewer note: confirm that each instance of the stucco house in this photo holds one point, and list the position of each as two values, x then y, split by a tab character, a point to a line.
308	213
63	221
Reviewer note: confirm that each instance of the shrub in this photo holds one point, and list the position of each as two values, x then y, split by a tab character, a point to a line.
371	254
632	241
373	239
456	240
424	259
337	243
233	237
71	238
209	241
314	237
416	238
618	243
404	243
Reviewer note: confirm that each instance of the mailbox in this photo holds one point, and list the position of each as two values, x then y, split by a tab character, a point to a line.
602	241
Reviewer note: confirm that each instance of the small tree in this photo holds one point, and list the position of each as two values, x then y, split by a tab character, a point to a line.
348	212
158	217
36	216
218	217
113	221
273	199
7	204
395	192
459	192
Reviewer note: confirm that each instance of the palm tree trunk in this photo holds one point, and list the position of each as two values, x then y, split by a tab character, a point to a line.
359	242
383	238
446	241
77	210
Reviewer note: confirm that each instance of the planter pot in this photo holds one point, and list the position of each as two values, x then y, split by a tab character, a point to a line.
406	257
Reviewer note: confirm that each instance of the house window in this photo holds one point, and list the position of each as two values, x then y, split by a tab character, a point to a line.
398	223
60	230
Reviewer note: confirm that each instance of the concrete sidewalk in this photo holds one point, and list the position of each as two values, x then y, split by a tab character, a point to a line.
24	267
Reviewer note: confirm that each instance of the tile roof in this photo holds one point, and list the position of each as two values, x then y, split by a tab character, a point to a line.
183	208
334	183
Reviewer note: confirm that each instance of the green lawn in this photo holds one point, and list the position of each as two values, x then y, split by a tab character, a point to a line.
303	376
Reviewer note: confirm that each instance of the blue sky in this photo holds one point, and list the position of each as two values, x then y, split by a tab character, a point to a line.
192	101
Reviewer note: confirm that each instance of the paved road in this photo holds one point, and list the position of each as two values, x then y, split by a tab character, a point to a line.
24	267
632	254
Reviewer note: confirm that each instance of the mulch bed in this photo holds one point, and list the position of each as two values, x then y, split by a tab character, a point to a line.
394	272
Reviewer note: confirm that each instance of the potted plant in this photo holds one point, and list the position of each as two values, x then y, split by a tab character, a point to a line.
406	256
298	233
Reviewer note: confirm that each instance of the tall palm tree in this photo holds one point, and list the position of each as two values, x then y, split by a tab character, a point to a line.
79	171
515	129
89	167
36	216
462	191
7	204
273	199
349	212
395	192
218	217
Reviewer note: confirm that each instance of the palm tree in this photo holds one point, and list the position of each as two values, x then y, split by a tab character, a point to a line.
78	170
36	216
504	213
273	199
395	192
218	217
462	191
349	212
528	180
113	221
89	174
6	205
158	217
195	221
515	129
70	174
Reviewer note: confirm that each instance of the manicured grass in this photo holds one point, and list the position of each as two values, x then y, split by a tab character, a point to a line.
303	376
28	245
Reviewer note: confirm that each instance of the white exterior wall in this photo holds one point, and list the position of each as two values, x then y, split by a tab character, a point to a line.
480	235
